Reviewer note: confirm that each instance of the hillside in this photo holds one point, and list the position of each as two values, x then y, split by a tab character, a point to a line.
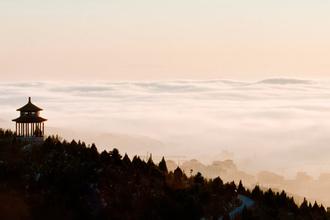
70	180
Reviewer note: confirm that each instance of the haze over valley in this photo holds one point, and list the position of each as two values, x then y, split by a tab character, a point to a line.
280	124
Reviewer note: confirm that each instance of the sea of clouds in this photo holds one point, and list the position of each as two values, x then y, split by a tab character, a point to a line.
282	125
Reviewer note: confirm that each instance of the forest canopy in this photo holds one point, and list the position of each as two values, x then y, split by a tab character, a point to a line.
72	180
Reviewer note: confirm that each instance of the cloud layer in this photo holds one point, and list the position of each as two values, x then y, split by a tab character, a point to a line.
276	124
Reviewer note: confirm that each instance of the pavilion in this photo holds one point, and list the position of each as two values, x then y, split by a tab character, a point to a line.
30	126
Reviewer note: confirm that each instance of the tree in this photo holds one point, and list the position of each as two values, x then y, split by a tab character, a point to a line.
93	148
256	192
126	160
199	179
150	162
240	188
217	185
304	207
178	174
93	152
115	156
162	166
178	178
105	157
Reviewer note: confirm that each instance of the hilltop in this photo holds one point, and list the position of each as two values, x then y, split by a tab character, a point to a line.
72	180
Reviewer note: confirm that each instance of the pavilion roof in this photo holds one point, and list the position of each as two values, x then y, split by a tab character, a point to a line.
29	119
29	107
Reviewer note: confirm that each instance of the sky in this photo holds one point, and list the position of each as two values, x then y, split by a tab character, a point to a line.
246	80
163	40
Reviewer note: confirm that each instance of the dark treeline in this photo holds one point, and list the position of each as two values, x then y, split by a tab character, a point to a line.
69	180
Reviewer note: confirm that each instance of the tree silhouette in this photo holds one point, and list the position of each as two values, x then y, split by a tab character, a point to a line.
240	188
69	180
162	166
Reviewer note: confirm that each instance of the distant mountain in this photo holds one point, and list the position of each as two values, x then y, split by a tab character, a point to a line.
132	143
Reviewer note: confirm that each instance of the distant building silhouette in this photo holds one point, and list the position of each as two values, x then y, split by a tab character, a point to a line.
30	126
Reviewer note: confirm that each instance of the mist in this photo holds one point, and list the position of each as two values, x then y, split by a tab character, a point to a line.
279	125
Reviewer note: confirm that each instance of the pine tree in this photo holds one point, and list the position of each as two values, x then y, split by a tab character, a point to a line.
240	188
150	162
256	193
162	166
304	209
126	160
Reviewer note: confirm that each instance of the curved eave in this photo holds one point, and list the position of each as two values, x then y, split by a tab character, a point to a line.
29	119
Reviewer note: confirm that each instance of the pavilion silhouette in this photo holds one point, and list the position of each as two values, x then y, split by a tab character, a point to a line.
30	126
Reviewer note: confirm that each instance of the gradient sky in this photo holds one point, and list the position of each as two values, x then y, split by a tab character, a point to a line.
153	39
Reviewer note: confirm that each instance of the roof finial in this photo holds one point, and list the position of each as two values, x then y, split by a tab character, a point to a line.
29	99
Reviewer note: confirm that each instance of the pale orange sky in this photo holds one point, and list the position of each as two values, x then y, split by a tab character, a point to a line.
143	40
